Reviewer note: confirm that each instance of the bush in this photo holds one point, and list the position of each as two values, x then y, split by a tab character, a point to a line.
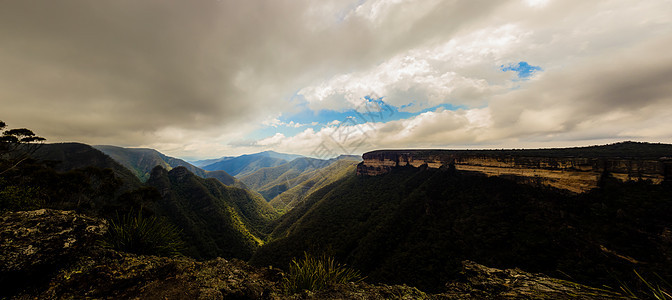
135	233
315	273
15	197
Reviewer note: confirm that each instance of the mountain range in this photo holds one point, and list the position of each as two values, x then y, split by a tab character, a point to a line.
281	185
247	163
400	217
217	214
141	161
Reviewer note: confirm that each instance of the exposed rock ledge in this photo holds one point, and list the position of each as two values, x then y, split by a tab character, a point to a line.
64	242
575	174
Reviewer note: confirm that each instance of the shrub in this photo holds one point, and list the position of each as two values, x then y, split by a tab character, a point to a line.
317	272
15	197
135	233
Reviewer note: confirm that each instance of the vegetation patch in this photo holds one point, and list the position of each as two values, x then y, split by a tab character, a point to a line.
315	273
135	233
661	290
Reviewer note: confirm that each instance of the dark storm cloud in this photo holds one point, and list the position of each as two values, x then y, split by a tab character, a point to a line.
103	68
119	71
192	77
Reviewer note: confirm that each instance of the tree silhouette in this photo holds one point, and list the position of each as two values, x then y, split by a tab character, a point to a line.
16	145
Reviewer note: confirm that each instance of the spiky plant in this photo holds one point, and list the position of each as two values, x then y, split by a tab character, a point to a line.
317	272
653	290
135	233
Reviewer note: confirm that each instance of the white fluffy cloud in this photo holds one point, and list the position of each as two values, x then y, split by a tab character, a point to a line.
463	70
192	78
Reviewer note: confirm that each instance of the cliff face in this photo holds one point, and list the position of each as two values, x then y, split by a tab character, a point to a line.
575	174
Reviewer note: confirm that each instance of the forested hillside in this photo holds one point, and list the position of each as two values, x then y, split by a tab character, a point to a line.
415	225
64	157
216	220
311	182
68	176
271	182
213	219
141	161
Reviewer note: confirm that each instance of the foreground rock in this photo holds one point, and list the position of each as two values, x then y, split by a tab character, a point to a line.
57	254
36	244
483	282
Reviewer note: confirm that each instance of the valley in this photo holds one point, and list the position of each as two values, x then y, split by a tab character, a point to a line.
342	149
402	217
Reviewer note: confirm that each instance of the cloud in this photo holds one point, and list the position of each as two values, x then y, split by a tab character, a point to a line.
459	71
596	101
275	122
271	141
196	78
120	71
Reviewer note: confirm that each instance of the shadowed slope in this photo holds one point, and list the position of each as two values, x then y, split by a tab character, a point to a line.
216	220
415	226
70	156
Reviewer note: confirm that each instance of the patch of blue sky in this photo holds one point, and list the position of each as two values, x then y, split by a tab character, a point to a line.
269	131
524	69
375	110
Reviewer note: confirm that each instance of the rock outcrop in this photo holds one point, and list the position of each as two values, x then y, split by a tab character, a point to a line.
126	276
64	242
577	173
481	282
37	243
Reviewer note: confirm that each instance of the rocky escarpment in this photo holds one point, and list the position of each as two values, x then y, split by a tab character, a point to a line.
574	169
64	242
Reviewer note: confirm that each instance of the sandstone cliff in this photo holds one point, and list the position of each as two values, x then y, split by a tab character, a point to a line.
574	169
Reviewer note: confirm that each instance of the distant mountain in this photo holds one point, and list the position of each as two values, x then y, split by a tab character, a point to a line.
285	156
205	162
284	174
216	220
246	164
142	161
308	182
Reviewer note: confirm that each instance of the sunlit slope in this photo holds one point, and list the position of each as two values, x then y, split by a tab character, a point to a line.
312	181
217	220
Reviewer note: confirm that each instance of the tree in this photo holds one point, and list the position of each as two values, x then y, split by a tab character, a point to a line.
16	145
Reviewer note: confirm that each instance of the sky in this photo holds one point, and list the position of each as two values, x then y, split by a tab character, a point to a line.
209	78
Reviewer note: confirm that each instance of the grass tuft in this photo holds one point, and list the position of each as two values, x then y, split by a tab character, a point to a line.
652	290
135	233
315	273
